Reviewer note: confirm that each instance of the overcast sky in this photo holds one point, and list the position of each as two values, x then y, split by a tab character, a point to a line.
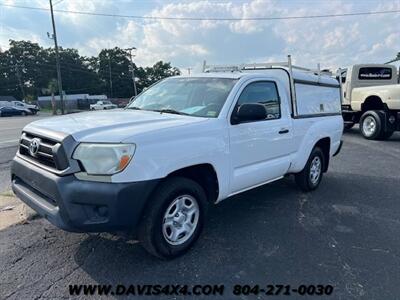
333	42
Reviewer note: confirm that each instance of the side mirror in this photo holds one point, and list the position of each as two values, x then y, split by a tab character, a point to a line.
249	112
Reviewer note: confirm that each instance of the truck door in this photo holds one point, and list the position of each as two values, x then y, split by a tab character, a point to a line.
260	150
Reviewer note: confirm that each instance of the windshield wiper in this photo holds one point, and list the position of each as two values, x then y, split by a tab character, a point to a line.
171	111
133	107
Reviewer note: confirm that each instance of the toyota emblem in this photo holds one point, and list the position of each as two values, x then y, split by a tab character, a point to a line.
34	146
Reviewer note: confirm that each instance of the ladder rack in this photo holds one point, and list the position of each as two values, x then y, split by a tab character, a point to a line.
263	66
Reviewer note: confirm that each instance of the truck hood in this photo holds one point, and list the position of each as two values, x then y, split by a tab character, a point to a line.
110	126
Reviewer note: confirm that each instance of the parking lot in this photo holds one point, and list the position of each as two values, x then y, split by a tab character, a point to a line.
10	130
345	234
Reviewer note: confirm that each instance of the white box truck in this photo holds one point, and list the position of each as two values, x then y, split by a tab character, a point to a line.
187	142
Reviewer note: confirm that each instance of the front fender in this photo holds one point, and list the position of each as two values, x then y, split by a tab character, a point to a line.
157	157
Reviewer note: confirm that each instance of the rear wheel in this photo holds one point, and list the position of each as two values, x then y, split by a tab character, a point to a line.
372	125
174	218
310	177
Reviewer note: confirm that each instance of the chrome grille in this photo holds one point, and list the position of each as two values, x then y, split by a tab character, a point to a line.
46	153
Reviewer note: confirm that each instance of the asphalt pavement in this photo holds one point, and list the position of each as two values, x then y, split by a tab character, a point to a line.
10	131
345	234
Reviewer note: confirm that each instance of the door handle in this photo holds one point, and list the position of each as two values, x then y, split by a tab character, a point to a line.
283	131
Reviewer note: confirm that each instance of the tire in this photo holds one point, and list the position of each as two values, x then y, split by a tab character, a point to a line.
154	233
371	125
23	114
306	179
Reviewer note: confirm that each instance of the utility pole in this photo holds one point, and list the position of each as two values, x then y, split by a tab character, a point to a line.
57	58
129	50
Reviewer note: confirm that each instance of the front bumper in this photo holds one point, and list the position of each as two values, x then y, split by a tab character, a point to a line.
77	205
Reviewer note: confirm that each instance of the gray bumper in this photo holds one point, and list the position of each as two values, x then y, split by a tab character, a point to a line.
80	206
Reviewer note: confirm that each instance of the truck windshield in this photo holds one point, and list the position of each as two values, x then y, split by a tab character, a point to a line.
200	97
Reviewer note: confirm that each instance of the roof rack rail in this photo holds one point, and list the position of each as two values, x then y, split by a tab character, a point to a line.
260	66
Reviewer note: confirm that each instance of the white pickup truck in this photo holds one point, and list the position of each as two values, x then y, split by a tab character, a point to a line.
102	105
186	142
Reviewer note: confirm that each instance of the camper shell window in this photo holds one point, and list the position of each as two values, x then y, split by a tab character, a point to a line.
375	73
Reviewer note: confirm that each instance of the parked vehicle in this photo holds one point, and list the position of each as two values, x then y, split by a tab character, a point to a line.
34	109
371	97
28	109
102	105
7	111
186	142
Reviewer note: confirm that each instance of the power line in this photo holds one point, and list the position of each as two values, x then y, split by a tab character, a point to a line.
58	2
207	18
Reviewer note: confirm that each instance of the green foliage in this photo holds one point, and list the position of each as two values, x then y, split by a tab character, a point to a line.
28	70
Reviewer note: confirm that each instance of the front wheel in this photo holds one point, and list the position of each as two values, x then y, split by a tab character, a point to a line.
174	218
310	177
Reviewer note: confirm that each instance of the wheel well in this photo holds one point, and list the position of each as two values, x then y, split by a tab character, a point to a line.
372	103
325	145
203	174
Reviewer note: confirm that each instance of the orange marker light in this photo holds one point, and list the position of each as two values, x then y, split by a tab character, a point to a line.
123	162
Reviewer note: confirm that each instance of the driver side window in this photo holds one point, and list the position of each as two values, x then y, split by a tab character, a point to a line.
265	93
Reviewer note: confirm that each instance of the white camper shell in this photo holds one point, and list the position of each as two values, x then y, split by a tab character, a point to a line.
312	92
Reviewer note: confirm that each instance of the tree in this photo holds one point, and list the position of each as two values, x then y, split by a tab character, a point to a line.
115	61
22	68
27	70
159	71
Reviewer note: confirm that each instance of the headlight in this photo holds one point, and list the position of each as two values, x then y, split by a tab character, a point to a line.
104	159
